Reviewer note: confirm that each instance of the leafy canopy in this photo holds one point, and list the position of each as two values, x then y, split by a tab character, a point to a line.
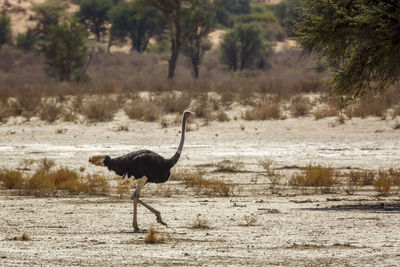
5	29
359	38
65	48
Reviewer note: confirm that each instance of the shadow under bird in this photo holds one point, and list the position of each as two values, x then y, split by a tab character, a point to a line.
146	166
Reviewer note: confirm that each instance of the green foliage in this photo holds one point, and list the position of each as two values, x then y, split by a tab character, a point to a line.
241	46
197	26
227	9
5	29
285	11
26	41
94	14
65	49
49	13
137	21
360	40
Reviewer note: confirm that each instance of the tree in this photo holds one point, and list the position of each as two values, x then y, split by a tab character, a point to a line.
174	11
26	41
359	39
241	46
138	21
198	25
49	13
5	29
226	9
94	14
65	49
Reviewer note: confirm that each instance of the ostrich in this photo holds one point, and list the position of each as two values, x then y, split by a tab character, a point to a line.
146	166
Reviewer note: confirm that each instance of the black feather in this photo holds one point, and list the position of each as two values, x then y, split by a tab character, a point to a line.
140	163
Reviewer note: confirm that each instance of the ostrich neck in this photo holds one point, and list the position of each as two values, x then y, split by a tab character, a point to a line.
175	158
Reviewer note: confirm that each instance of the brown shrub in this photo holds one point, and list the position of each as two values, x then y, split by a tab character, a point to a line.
361	178
300	106
172	102
200	223
144	110
153	237
96	185
100	110
222	116
211	187
382	183
315	176
124	188
229	166
368	106
50	110
266	110
11	179
325	111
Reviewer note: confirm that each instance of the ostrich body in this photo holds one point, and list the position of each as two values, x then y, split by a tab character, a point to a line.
144	165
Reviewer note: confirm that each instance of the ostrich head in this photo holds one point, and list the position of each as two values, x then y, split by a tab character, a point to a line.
187	114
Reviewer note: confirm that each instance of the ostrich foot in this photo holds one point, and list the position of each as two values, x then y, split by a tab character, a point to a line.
97	160
159	220
139	231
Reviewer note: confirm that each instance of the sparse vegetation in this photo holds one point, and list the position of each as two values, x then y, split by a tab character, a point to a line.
100	110
200	223
200	185
229	166
141	109
153	237
11	179
300	106
316	176
266	110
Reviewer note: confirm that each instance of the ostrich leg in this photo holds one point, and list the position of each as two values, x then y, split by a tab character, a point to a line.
141	182
156	212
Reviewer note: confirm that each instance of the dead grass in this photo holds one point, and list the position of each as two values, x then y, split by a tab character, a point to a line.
268	109
153	237
300	106
222	116
202	186
382	183
50	110
316	176
100	110
229	166
250	220
123	189
11	179
173	102
325	111
23	237
201	223
144	110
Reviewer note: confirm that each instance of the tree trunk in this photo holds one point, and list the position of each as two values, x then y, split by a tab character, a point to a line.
172	63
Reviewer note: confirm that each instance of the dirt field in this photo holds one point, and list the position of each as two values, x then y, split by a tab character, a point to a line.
256	226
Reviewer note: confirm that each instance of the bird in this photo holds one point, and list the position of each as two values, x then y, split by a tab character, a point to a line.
146	166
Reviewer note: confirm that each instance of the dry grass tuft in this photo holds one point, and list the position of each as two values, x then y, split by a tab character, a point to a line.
382	183
268	109
172	102
143	110
300	106
210	187
222	116
11	179
325	111
229	166
100	110
200	223
50	110
23	237
316	176
250	220
124	188
153	237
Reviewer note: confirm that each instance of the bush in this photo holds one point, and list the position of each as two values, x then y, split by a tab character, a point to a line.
315	176
26	41
145	110
172	102
11	179
300	106
50	110
382	183
100	110
211	187
267	110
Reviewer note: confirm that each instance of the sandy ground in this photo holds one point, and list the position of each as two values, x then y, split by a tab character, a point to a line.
289	227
